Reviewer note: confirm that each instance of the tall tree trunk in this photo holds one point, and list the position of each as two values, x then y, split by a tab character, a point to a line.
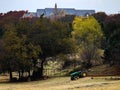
29	73
19	74
10	73
41	68
39	73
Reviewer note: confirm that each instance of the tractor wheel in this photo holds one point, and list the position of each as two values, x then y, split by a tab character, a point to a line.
76	77
84	74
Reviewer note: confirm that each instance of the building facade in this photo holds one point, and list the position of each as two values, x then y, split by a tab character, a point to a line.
58	12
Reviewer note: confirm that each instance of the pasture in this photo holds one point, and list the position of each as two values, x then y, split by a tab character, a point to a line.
63	83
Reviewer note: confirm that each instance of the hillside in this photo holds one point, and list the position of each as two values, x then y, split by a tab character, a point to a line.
100	82
105	70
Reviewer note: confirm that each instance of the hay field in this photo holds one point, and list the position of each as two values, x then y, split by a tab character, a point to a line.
64	83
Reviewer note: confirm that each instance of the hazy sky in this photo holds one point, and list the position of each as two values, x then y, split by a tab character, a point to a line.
108	6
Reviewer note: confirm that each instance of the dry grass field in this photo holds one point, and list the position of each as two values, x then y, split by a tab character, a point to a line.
64	83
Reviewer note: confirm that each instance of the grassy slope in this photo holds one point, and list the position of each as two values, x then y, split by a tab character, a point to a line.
64	83
105	70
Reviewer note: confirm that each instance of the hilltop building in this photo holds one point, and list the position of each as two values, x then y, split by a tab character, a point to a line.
58	12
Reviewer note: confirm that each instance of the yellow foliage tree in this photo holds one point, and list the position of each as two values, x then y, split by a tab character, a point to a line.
88	34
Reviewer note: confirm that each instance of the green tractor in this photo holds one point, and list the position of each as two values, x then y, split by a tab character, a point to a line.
78	74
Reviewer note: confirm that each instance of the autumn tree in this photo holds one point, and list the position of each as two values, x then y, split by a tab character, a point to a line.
88	33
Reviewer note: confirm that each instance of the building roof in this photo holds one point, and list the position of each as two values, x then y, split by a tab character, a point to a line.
69	11
84	12
40	12
47	12
30	14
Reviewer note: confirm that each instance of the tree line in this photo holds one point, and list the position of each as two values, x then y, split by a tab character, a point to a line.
110	25
26	43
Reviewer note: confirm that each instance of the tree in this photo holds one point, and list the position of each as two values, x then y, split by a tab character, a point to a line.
28	52
100	17
88	33
10	45
19	52
112	33
27	43
53	37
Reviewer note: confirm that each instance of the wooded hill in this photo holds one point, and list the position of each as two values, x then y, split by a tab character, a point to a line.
25	44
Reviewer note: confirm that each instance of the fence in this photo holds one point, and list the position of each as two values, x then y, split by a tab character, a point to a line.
55	72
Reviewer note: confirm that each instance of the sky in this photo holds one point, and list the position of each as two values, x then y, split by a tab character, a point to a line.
108	6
